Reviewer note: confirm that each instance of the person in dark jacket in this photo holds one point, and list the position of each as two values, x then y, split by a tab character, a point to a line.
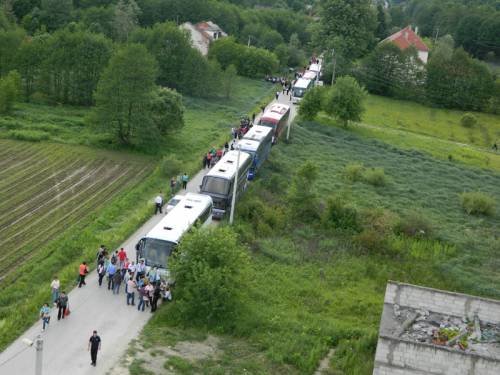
117	281
62	305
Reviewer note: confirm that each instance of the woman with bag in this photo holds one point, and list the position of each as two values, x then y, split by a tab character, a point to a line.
62	305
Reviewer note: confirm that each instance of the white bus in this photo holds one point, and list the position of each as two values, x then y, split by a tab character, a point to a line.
300	88
219	181
259	133
316	68
157	246
258	149
313	76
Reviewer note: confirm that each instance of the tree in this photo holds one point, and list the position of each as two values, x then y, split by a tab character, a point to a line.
55	13
125	19
345	100
228	80
312	103
211	268
381	31
10	87
346	26
467	33
459	81
124	96
10	40
29	58
167	110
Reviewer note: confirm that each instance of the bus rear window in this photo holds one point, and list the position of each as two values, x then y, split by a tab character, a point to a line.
215	185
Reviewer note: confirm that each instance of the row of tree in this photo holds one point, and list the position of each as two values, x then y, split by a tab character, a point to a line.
474	25
451	79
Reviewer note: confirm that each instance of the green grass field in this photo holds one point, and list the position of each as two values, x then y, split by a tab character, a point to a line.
107	214
435	131
313	288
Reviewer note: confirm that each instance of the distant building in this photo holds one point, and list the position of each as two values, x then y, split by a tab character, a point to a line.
202	34
430	331
407	37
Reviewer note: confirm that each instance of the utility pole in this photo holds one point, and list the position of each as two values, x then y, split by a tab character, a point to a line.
39	355
235	188
334	65
437	34
248	44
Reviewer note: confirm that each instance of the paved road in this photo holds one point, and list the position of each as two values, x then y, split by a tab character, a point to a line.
65	341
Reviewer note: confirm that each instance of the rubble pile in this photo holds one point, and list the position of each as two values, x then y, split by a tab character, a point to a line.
459	333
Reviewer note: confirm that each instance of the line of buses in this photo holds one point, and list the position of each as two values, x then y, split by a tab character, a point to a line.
216	191
309	79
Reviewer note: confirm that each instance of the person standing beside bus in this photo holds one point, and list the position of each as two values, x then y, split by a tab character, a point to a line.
158	203
185	179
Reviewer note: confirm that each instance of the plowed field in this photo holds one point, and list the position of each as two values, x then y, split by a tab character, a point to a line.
47	188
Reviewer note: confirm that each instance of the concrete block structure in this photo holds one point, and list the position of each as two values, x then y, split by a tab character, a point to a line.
430	331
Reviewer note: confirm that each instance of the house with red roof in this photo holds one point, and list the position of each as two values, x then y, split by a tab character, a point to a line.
407	37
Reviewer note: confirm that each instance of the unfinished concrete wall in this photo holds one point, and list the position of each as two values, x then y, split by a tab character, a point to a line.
396	357
442	302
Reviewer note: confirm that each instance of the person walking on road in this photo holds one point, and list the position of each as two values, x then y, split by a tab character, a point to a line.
101	271
117	281
111	270
45	315
54	286
142	298
277	95
185	179
83	270
158	203
94	346
62	305
131	285
122	255
156	297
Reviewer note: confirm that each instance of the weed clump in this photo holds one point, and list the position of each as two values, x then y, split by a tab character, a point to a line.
414	225
478	203
353	172
375	177
339	215
28	135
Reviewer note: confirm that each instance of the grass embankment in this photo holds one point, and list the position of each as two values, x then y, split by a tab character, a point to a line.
207	122
437	132
319	283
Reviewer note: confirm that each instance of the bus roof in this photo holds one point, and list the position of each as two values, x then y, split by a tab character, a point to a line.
249	144
173	226
315	68
302	83
258	133
276	111
310	75
226	167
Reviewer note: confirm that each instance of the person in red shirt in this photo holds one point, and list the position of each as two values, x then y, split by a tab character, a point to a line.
122	255
83	270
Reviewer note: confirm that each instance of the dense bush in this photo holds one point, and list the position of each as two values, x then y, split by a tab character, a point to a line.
302	198
468	120
478	203
210	268
28	135
337	214
375	177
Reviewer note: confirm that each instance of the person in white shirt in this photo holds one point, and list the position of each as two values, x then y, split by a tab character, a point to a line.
158	203
55	285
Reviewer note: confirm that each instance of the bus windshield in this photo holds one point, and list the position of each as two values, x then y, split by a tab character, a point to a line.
157	251
298	92
215	185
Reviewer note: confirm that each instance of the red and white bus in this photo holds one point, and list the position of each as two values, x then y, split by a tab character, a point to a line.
276	117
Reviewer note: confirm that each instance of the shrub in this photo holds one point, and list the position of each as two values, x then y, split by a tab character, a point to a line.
339	215
302	197
170	167
478	203
375	177
210	268
468	120
414	225
353	172
28	135
371	240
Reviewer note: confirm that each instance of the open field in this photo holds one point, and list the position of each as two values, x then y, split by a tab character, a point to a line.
118	204
314	287
46	188
435	122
